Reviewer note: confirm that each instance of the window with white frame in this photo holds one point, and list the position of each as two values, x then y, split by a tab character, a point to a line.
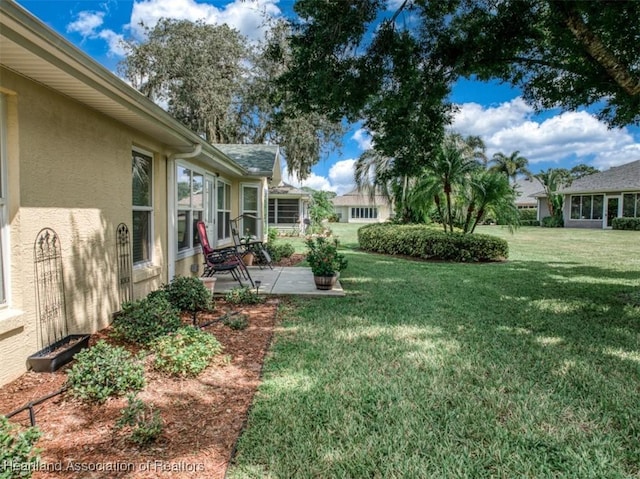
223	203
250	210
631	205
587	207
190	205
142	173
364	213
3	199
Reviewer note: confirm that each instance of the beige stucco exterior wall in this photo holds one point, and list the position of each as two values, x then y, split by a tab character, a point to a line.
69	169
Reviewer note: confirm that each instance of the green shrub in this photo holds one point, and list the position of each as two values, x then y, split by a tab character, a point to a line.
631	224
427	243
18	457
529	223
278	250
103	371
272	234
236	321
144	320
244	295
528	215
189	294
552	222
186	352
143	421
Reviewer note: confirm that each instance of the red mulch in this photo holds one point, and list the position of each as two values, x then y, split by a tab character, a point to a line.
202	417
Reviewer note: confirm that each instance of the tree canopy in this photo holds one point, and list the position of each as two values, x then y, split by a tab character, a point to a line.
567	53
225	90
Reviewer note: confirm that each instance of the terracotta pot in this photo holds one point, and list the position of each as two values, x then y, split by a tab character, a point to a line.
248	258
325	282
209	282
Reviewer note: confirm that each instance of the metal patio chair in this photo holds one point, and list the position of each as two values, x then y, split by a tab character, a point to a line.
222	260
254	246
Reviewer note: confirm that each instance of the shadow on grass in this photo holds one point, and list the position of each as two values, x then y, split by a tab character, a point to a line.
454	370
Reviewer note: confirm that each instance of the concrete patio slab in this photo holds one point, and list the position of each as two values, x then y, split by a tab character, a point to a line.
281	281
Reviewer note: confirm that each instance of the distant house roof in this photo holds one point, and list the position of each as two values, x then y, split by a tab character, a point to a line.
359	198
258	160
526	189
619	178
286	189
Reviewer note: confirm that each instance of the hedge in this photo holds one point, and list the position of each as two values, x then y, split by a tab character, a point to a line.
632	224
424	242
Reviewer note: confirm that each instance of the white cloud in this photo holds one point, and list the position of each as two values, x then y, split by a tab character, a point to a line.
341	176
87	23
363	139
575	136
246	17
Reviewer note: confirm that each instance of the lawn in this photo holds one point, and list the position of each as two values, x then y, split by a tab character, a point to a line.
528	368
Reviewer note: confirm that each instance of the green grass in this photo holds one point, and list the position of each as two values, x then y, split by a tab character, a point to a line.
528	368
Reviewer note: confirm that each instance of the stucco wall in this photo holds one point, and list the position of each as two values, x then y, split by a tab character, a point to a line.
69	170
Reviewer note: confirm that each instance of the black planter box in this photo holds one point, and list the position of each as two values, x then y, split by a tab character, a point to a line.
53	357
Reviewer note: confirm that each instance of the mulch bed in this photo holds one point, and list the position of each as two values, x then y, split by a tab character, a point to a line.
202	417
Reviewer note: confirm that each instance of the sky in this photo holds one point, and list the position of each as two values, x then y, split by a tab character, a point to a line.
495	112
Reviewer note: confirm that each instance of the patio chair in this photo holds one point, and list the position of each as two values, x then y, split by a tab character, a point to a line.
222	260
250	246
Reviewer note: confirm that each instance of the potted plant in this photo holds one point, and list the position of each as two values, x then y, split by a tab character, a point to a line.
325	261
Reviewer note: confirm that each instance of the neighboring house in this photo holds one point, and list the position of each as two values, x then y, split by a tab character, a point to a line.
288	207
358	207
82	152
593	201
525	189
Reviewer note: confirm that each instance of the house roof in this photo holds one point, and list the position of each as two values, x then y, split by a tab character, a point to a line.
526	189
258	160
287	189
31	49
359	198
619	178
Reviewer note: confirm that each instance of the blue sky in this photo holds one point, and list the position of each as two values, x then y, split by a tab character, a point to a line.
493	111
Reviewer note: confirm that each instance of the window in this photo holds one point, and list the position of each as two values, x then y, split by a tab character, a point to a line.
3	199
142	173
283	211
250	210
190	188
364	213
631	205
587	207
224	210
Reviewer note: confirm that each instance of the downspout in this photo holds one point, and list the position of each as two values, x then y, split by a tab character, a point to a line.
171	206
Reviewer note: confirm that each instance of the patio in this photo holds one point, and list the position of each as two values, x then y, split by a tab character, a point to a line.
281	280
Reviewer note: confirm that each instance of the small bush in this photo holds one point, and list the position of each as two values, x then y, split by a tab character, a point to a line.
189	294
103	371
528	215
244	295
236	322
272	234
186	352
278	250
630	224
143	421
552	222
18	457
424	242
144	320
529	223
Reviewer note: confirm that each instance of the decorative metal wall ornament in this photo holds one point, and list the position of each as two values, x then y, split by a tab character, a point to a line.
58	347
125	268
52	311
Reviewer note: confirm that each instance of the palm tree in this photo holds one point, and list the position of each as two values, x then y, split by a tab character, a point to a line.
449	169
511	166
489	191
553	180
